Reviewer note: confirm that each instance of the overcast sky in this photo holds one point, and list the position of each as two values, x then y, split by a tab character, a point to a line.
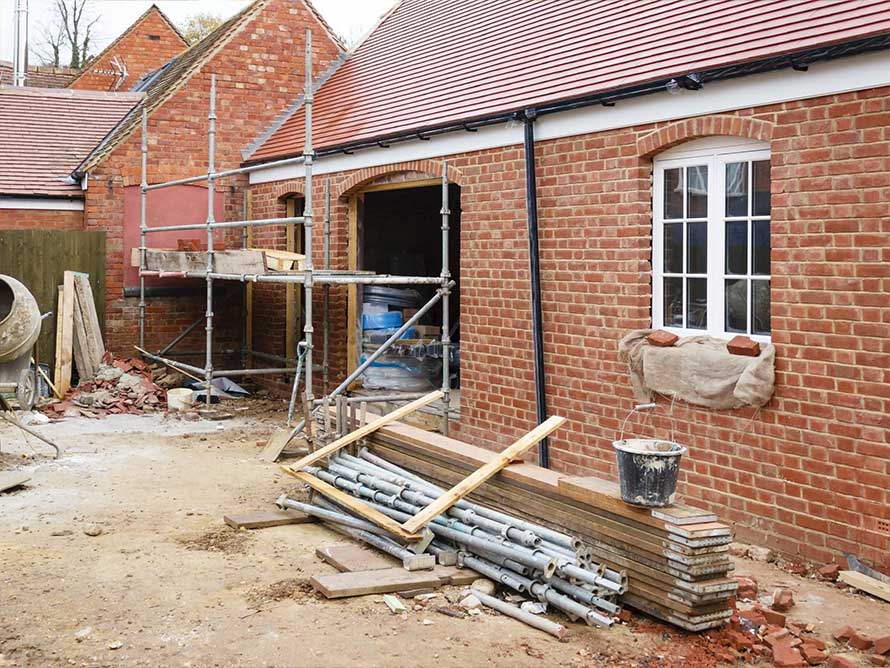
350	18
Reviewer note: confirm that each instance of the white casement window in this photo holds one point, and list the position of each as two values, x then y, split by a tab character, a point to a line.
711	238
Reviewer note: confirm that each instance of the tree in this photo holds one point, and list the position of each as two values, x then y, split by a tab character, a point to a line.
69	31
198	26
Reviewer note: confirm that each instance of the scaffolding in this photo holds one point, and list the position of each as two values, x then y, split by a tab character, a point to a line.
308	277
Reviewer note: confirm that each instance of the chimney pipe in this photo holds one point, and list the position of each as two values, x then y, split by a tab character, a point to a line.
20	44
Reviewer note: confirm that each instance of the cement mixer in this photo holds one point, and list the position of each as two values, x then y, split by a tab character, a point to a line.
19	328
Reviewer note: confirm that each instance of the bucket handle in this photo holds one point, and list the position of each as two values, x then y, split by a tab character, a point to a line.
645	407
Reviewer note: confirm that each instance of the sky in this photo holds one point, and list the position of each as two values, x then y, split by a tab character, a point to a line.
349	18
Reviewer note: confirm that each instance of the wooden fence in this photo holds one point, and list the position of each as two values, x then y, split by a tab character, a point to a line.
39	259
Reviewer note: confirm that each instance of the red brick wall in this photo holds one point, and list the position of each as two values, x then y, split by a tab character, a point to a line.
24	219
259	73
810	473
137	50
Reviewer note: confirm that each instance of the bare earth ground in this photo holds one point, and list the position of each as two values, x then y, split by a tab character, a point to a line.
167	584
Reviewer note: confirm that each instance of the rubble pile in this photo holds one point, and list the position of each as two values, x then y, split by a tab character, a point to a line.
120	386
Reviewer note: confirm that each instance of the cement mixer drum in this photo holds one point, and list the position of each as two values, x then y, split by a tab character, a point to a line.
19	330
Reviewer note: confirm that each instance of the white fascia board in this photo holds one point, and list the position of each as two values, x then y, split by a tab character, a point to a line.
41	203
829	78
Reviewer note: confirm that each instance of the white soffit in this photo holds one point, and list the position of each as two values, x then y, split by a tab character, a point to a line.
843	75
41	203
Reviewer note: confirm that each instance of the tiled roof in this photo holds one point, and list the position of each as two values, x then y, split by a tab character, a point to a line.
45	133
434	62
160	86
40	76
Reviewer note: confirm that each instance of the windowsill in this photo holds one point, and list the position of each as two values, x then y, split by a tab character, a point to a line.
725	336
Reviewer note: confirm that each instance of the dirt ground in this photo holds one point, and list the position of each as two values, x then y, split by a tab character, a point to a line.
167	584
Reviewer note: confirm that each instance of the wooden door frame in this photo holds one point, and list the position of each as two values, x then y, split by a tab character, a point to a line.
293	301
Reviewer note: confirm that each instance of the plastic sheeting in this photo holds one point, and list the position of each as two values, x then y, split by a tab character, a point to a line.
698	370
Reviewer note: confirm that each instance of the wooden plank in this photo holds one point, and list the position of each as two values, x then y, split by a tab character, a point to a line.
80	345
474	480
12	479
349	558
865	583
276	445
362	583
279	260
65	334
354	505
87	305
365	430
458	577
239	261
264	519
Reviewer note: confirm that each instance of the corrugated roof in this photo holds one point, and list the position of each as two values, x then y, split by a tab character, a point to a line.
45	133
432	62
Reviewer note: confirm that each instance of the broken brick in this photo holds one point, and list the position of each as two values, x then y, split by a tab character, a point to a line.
777	638
786	656
829	572
840	662
843	634
751	620
860	642
783	600
742	345
878	660
813	655
663	339
747	588
774	617
740	642
816	642
882	645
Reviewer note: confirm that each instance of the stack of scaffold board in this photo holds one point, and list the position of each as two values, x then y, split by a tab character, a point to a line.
676	558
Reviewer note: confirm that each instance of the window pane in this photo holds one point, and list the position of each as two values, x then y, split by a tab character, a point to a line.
673	302
737	305
761	247
737	189
673	193
760	317
697	248
697	192
737	247
696	303
673	248
761	188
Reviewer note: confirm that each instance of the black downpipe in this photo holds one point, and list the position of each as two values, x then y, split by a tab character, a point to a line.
531	208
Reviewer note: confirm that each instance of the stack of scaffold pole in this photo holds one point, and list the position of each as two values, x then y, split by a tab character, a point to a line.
543	564
676	558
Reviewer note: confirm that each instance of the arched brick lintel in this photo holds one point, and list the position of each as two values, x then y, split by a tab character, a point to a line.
288	188
357	180
703	126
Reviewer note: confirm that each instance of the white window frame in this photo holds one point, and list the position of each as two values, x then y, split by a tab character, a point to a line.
715	153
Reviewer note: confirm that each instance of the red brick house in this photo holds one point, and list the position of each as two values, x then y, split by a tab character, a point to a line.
258	59
142	48
713	168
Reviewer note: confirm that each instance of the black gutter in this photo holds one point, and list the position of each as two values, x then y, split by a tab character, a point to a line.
799	61
534	266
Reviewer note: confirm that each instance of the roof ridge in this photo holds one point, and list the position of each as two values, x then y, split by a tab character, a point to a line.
324	24
206	49
125	33
33	91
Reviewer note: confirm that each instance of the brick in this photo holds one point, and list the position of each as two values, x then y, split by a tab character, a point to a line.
882	645
878	659
812	654
860	641
773	617
829	572
662	339
840	662
782	636
742	345
786	656
747	588
783	600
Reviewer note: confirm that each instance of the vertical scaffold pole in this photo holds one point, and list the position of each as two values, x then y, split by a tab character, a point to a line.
325	364
143	225
446	303
307	243
211	190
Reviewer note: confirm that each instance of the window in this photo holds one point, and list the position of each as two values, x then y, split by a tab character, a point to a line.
711	238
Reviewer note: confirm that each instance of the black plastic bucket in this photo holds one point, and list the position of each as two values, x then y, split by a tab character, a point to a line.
648	470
